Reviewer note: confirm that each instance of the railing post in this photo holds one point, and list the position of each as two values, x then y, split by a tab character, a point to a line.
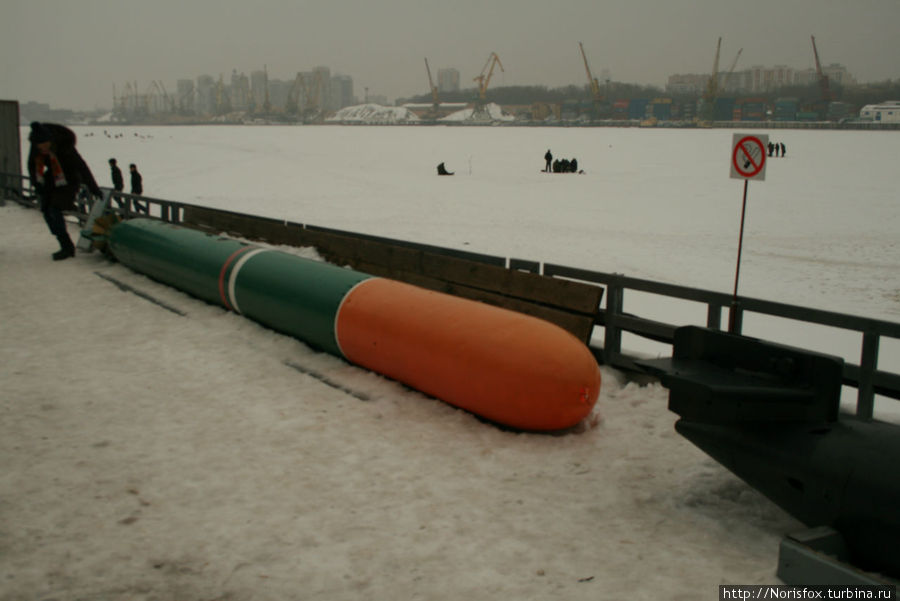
612	336
868	363
735	318
714	316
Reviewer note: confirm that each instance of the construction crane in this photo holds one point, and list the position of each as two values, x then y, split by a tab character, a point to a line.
823	79
435	101
707	111
483	80
221	97
596	96
167	100
731	70
712	85
267	106
312	111
291	105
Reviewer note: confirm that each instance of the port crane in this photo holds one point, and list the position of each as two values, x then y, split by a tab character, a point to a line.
713	86
435	101
823	78
312	110
483	80
596	96
291	105
731	69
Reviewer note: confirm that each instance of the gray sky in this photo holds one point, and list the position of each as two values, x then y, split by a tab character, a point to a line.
70	53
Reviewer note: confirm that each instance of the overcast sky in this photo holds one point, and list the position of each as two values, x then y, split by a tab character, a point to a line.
70	53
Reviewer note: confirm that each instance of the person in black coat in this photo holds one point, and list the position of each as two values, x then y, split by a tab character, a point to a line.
118	182
57	172
137	182
137	187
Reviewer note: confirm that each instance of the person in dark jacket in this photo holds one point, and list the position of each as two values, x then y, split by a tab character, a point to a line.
118	182
57	172
548	159
137	182
137	187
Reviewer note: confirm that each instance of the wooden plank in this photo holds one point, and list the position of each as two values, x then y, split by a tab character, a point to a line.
554	292
574	296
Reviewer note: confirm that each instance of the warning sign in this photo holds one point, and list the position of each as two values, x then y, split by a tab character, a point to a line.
748	156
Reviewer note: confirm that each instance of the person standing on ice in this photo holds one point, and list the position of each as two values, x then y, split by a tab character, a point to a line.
548	159
57	172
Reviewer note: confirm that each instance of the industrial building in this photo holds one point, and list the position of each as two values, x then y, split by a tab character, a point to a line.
886	112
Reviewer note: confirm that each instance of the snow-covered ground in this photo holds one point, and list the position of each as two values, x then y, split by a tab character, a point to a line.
152	455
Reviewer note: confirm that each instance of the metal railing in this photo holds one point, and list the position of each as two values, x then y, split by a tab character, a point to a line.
865	376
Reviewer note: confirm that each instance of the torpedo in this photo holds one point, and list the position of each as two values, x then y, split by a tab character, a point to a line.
507	367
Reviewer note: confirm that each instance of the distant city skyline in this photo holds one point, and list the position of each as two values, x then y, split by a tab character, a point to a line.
758	78
71	54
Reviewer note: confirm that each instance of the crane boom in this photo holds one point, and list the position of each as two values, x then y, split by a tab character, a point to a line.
731	69
483	80
434	90
592	81
823	79
712	86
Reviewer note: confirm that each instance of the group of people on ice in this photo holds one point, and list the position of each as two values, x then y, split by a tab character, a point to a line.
560	165
778	148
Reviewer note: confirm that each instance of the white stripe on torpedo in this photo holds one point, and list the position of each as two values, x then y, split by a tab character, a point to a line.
233	277
337	315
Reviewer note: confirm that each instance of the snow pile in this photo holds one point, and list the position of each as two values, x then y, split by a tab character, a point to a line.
374	114
491	112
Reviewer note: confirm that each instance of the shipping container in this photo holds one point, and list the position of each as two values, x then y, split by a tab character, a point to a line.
838	111
786	109
724	109
662	111
753	109
620	109
637	108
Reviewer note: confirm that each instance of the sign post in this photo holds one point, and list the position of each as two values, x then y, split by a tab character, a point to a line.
748	161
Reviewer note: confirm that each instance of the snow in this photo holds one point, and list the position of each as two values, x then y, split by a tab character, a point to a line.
149	455
491	112
374	114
